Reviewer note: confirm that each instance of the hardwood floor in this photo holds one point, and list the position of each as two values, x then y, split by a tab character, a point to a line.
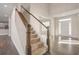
65	49
6	46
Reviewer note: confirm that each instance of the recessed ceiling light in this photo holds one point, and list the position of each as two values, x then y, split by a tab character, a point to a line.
5	6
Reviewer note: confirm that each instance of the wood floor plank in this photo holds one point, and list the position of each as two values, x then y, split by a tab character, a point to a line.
6	46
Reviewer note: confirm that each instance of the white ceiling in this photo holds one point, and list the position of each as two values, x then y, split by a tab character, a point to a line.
54	8
58	8
6	9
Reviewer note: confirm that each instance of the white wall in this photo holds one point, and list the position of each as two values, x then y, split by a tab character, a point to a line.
58	8
61	10
18	33
75	27
40	9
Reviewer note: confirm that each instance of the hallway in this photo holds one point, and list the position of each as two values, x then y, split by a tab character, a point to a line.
6	46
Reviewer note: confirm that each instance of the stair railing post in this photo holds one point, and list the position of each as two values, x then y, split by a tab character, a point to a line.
28	40
48	40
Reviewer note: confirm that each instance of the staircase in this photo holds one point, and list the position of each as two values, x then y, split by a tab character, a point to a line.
34	45
37	46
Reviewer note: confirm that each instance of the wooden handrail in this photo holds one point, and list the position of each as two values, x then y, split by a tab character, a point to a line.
34	17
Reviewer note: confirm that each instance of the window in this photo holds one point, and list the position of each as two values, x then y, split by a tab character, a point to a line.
64	26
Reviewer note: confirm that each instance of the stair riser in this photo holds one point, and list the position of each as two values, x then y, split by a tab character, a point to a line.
37	47
31	28
35	41
32	31
41	51
33	36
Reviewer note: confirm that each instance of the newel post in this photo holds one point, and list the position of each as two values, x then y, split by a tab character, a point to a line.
48	40
28	40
